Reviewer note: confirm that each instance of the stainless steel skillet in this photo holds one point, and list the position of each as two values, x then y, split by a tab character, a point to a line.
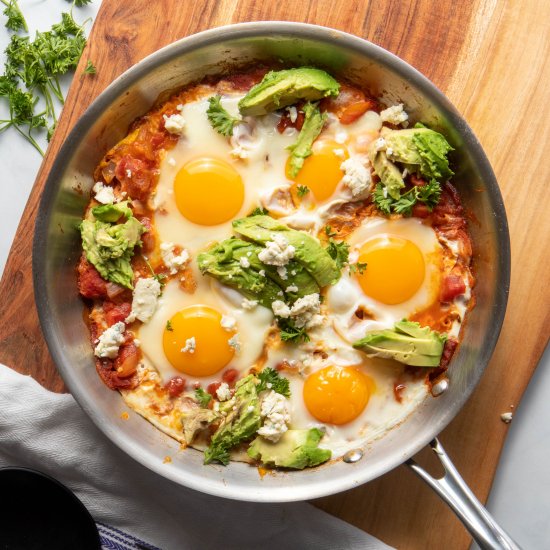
56	251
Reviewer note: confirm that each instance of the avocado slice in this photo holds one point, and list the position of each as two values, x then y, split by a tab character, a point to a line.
241	423
281	88
308	251
422	147
313	124
297	449
223	261
407	342
387	171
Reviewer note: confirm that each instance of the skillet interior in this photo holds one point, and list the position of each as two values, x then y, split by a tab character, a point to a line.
56	248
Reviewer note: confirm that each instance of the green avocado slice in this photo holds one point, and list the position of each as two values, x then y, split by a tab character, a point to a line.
281	88
308	251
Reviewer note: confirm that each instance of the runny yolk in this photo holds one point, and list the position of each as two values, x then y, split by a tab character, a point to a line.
337	395
321	171
395	269
208	191
209	352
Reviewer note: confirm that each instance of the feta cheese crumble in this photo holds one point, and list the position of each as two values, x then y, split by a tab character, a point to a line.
172	161
291	288
234	343
244	261
357	177
380	144
506	417
190	345
274	411
175	124
103	193
144	302
281	271
228	323
223	393
292	113
249	304
172	261
394	114
110	341
304	311
277	252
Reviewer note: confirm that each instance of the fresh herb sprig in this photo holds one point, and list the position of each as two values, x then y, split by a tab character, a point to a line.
202	397
33	68
427	194
219	118
303	190
338	251
270	379
290	333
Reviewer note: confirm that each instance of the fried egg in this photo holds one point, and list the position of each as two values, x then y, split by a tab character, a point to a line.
402	275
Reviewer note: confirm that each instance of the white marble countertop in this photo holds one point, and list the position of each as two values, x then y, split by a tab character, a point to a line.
520	498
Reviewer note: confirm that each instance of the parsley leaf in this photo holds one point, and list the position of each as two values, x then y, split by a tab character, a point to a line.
169	326
329	232
219	118
270	379
291	333
258	211
339	252
381	199
303	190
217	453
90	68
16	21
428	194
359	267
80	3
202	397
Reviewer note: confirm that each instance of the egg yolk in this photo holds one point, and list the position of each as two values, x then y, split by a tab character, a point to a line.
195	343
208	191
321	171
336	395
395	269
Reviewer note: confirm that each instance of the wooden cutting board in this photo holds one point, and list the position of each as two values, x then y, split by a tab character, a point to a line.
492	59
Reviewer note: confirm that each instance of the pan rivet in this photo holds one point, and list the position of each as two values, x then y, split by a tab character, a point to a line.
353	456
440	387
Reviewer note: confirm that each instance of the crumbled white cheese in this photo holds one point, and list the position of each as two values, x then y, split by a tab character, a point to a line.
389	151
281	271
506	417
234	343
277	252
249	304
304	311
110	341
274	410
244	140
190	345
239	152
341	137
228	323
144	302
244	261
292	113
262	272
171	161
291	288
172	261
339	152
380	144
394	114
223	392
128	173
137	342
103	193
175	124
357	177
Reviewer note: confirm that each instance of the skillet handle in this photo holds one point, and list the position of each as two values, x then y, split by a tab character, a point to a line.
454	491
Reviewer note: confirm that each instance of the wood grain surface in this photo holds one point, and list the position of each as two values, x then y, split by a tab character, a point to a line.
492	59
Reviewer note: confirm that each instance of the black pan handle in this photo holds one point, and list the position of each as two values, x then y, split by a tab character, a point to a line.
454	491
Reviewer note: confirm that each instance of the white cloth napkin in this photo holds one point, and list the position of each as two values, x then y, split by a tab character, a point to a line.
50	433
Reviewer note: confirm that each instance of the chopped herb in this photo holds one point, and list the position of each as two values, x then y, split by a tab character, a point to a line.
90	68
159	277
258	211
270	379
290	333
218	453
359	267
219	118
427	194
79	3
16	21
329	232
339	252
169	326
202	397
303	190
